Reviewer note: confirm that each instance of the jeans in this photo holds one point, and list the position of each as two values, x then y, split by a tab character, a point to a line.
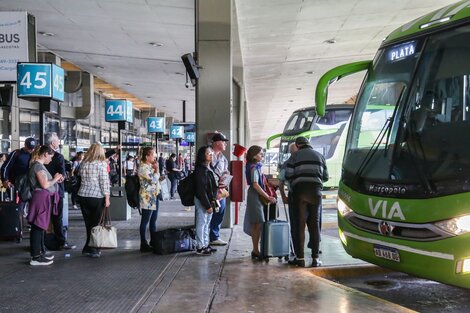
203	220
59	230
36	239
307	202
148	216
216	221
92	208
174	184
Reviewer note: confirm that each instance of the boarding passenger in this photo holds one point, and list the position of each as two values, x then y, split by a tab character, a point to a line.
76	174
149	176
57	165
161	164
254	216
205	199
44	201
306	172
17	163
288	198
219	166
94	192
171	170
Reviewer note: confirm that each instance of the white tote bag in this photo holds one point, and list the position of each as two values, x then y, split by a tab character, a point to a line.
104	235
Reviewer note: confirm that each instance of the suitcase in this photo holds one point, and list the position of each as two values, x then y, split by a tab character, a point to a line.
10	219
275	238
172	240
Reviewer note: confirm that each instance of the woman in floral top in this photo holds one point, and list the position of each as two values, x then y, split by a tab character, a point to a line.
148	195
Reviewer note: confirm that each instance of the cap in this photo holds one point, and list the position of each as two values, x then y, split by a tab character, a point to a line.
219	137
301	141
30	143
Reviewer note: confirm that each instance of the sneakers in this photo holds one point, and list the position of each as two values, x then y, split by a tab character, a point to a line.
40	260
67	246
47	255
316	262
212	250
145	247
218	242
91	252
75	207
297	262
203	251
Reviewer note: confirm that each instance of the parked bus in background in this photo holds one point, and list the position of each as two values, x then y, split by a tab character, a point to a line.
327	135
404	195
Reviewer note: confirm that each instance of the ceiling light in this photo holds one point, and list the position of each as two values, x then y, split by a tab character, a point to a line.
149	97
291	100
128	84
298	88
330	41
47	34
309	72
156	44
99	67
179	73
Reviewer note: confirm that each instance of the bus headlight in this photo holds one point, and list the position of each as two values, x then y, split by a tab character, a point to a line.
343	209
457	226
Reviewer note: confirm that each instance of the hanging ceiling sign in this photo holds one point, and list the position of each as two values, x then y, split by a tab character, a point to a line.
118	110
156	124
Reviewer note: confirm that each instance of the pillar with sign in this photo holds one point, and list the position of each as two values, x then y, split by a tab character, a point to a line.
156	125
190	137
42	81
177	133
119	111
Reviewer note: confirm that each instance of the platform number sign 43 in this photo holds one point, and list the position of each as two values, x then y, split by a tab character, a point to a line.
156	124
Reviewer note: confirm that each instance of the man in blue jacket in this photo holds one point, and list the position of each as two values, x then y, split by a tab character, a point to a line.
17	163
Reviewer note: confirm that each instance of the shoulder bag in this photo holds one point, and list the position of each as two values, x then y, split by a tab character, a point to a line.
104	235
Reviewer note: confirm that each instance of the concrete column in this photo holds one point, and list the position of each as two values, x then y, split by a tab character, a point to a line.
214	87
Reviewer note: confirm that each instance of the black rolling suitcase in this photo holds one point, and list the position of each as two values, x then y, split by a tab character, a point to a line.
10	218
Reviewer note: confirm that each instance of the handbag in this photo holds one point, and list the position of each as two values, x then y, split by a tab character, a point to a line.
104	235
269	189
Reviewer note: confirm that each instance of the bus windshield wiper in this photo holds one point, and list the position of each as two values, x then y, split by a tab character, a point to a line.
385	131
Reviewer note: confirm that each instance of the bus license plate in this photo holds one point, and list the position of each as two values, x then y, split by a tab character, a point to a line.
386	253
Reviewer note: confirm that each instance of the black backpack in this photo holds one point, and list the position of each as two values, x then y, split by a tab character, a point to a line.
132	187
23	186
187	190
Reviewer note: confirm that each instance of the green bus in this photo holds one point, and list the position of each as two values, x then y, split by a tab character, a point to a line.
327	135
404	194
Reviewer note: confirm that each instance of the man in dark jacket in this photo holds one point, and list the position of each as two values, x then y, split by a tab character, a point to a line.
17	163
57	165
306	172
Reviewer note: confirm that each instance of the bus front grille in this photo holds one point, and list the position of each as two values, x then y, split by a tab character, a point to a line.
408	231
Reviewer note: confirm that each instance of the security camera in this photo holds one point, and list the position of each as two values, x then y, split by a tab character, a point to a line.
187	84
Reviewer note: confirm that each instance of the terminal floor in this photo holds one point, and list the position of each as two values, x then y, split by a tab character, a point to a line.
125	280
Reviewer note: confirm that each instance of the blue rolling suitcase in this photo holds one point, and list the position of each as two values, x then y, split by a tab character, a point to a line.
275	238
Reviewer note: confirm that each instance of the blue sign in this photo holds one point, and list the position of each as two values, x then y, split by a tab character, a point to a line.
190	137
176	132
156	124
34	80
118	110
58	74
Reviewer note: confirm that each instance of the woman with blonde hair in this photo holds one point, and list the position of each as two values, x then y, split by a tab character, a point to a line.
94	192
149	176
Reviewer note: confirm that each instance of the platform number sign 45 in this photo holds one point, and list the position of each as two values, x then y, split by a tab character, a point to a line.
40	80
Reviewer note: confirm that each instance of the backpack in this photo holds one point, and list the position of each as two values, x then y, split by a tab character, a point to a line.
23	186
187	190
132	187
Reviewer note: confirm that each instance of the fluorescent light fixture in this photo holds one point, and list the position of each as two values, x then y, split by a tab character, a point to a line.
47	34
156	44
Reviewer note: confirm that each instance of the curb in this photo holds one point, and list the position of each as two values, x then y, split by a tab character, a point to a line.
332	272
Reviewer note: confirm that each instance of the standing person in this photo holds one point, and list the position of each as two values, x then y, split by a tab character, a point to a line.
161	164
57	165
114	169
149	176
288	199
45	199
94	192
130	168
17	163
180	162
254	207
186	164
76	173
306	172
204	199
171	170
220	167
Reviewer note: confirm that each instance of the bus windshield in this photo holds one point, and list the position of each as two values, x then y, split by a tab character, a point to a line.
300	121
426	141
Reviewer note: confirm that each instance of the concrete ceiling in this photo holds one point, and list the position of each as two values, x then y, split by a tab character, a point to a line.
283	46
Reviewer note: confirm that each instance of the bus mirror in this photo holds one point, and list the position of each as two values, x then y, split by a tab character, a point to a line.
321	93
